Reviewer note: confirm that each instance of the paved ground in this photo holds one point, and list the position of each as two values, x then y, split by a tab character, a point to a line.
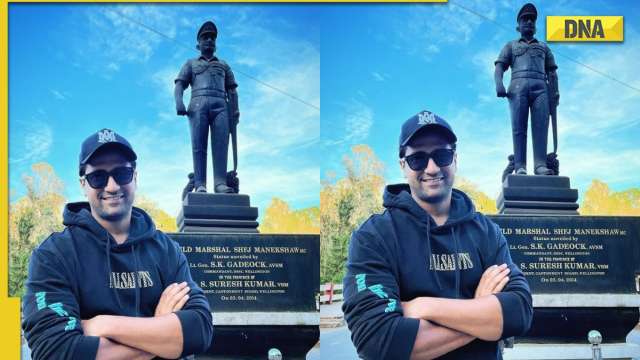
314	354
336	342
331	310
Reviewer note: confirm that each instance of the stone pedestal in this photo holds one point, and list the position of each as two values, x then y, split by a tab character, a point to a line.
217	213
584	274
261	289
537	195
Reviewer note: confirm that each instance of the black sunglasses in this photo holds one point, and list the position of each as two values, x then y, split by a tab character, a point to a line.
100	178
418	161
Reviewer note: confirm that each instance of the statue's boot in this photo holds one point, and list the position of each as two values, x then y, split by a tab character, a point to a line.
201	189
521	171
543	170
223	189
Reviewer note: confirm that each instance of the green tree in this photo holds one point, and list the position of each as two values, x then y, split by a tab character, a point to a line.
31	219
344	204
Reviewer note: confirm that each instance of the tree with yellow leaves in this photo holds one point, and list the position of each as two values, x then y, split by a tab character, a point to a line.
161	218
600	200
344	205
280	219
481	201
31	219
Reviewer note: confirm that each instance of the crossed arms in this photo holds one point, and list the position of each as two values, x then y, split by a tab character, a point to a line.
426	327
447	324
125	337
54	330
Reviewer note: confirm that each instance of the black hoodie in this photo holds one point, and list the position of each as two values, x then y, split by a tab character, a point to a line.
82	272
402	254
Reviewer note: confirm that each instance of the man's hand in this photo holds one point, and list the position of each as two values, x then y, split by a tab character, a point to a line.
412	308
172	299
93	326
500	90
493	280
180	109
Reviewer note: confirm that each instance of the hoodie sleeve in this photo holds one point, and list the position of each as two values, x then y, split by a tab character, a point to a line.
51	317
195	316
515	298
372	303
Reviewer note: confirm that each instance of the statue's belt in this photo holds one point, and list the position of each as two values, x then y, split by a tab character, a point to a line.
528	74
207	92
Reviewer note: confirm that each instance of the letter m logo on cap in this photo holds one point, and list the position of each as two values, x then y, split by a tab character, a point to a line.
426	118
106	135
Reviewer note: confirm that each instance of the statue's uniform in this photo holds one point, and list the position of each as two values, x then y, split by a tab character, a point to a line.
210	81
530	62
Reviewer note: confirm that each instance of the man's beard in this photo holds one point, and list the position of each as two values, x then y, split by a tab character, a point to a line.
444	192
102	210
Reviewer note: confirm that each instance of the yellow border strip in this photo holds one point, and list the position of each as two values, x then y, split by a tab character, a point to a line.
9	307
231	1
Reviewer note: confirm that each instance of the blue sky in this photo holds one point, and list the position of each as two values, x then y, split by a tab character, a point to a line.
74	69
382	64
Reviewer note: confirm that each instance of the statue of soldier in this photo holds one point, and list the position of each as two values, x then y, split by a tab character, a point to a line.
213	107
533	88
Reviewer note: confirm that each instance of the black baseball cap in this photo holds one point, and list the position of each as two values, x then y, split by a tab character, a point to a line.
102	139
425	121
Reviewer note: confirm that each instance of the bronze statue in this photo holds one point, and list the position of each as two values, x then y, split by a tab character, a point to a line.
213	107
533	88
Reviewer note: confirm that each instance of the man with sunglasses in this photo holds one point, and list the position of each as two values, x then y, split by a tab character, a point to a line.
431	277
111	286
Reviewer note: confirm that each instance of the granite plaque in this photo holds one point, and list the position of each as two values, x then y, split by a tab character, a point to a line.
575	254
254	272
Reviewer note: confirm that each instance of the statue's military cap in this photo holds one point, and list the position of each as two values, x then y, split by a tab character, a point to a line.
208	27
528	9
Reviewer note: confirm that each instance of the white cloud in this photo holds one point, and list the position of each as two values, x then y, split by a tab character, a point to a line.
380	76
481	156
60	95
358	120
592	106
163	164
113	67
35	144
117	36
612	167
426	28
298	185
273	123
